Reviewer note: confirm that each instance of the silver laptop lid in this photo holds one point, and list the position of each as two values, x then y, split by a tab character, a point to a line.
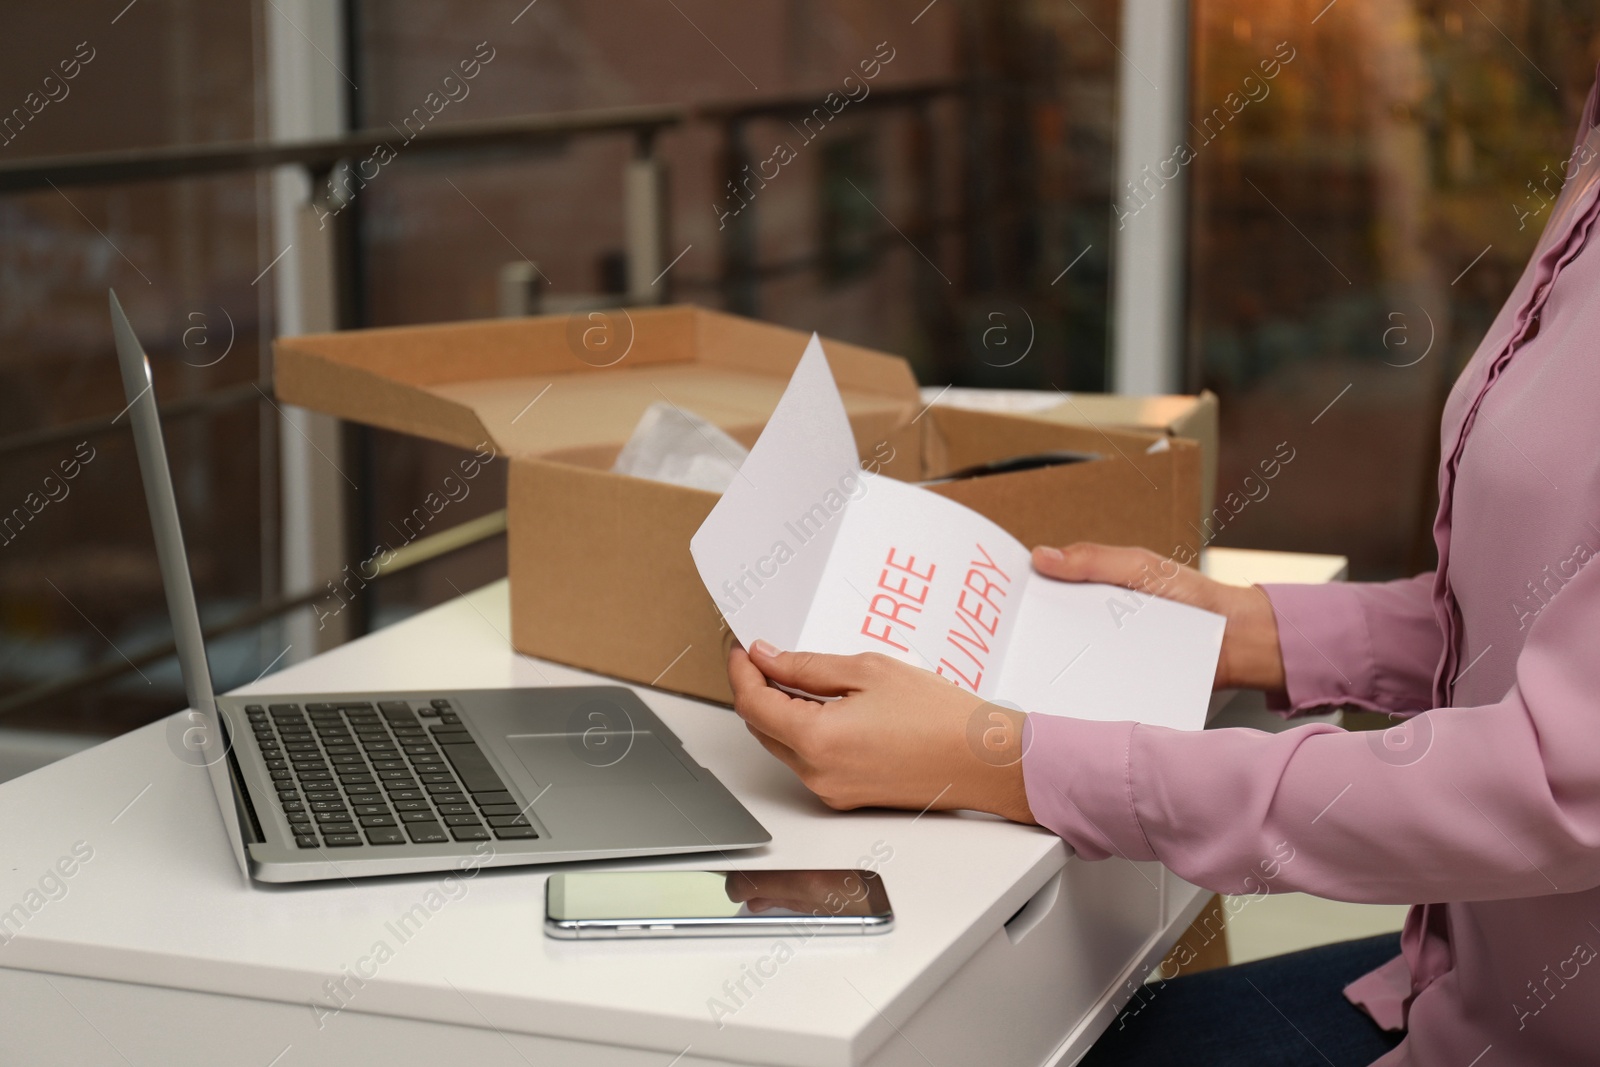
199	739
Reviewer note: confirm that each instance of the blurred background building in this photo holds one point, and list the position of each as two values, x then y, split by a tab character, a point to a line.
1364	180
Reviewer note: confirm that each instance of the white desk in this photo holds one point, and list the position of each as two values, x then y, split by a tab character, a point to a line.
1007	950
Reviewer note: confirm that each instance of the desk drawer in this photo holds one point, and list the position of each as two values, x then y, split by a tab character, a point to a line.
1039	978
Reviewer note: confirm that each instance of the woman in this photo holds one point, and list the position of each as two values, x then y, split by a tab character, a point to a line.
1485	816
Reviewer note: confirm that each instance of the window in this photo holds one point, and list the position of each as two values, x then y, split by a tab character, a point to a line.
1358	218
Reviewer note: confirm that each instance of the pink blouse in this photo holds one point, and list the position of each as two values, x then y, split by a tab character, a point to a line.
1483	813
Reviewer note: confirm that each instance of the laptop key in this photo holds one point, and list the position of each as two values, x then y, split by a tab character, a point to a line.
377	820
456	809
501	797
507	820
336	828
469	833
372	809
396	775
419	815
406	794
427	759
341	840
386	835
443	787
400	785
327	805
507	833
323	794
342	750
410	805
461	820
389	765
424	833
298	817
305	840
500	809
438	778
356	779
474	768
449	798
339	814
360	788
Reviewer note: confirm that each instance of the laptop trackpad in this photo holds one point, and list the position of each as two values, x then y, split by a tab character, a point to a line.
596	757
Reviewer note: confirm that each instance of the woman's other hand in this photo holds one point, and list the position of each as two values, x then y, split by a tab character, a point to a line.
1251	657
898	737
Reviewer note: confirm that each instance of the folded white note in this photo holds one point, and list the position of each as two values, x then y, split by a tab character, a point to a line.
808	551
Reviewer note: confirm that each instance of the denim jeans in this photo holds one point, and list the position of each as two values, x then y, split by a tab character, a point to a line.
1287	1011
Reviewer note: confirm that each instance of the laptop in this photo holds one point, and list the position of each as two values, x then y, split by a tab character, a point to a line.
340	785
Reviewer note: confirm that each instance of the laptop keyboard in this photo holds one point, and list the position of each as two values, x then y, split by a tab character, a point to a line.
357	773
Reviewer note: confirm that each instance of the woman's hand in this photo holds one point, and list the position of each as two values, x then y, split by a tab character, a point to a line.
1251	657
898	737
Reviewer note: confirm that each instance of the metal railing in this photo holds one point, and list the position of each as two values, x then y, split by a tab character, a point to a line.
479	141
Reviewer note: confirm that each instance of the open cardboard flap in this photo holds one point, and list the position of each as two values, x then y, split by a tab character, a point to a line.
525	384
808	551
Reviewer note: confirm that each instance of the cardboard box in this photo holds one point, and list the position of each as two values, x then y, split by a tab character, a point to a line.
601	575
1191	417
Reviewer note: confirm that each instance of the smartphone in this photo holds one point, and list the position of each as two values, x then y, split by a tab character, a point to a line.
615	904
